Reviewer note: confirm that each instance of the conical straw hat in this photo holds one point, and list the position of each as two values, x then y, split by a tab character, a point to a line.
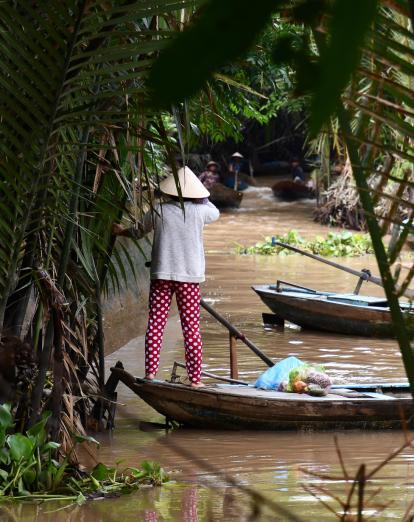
237	155
191	186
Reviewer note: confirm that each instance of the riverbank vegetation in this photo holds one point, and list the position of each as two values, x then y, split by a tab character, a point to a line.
343	244
81	149
30	468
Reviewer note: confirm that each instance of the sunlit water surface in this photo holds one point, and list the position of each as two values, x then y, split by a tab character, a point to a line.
214	463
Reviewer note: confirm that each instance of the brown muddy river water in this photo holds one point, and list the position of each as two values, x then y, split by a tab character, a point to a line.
269	463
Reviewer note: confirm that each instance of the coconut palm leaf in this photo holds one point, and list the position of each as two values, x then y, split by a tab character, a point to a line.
72	87
72	64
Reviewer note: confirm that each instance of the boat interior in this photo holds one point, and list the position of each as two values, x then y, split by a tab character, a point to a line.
379	392
354	298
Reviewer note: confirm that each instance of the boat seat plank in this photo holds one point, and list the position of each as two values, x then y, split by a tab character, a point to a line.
355	299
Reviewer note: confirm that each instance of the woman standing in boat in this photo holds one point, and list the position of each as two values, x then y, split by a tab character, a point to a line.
177	266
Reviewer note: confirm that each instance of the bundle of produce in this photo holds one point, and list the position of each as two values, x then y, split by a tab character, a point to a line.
307	378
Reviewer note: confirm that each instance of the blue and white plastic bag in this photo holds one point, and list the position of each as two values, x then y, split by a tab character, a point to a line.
274	376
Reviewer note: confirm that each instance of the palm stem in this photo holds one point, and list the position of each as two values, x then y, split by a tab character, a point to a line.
400	327
44	359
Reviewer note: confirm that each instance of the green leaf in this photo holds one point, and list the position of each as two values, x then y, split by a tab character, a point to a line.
81	499
50	445
21	447
6	419
350	22
224	31
20	487
29	476
38	431
95	484
102	472
85	438
4	456
60	471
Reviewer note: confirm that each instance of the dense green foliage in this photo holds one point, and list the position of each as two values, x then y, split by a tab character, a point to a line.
226	31
333	245
241	26
251	88
30	468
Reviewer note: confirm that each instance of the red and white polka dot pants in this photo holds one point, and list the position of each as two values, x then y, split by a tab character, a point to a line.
188	301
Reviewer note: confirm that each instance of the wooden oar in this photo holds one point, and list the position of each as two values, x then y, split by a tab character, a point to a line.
237	333
364	275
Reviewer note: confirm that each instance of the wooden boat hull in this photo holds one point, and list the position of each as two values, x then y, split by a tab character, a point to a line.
225	197
291	191
327	315
234	407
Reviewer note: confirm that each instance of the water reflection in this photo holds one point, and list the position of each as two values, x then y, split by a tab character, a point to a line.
269	462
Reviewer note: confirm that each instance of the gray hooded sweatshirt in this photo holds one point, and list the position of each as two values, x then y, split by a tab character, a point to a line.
177	249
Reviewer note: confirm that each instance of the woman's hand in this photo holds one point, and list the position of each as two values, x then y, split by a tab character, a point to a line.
132	232
118	230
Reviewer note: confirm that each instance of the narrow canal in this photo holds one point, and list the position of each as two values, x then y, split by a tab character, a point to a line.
270	463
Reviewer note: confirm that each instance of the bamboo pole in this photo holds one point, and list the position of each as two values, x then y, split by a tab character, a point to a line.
236	333
234	370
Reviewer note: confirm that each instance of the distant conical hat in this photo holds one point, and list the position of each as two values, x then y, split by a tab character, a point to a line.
210	163
237	155
191	186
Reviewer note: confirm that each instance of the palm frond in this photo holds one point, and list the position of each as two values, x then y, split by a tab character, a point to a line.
72	88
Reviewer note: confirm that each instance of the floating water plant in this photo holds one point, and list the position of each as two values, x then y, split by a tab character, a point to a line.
31	470
333	245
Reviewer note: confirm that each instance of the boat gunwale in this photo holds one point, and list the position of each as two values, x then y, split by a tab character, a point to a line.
213	408
288	397
318	298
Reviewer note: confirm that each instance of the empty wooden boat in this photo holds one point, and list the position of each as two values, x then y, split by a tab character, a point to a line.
232	406
333	312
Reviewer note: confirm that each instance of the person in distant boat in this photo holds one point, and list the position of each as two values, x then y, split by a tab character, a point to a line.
296	171
211	175
177	267
232	179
